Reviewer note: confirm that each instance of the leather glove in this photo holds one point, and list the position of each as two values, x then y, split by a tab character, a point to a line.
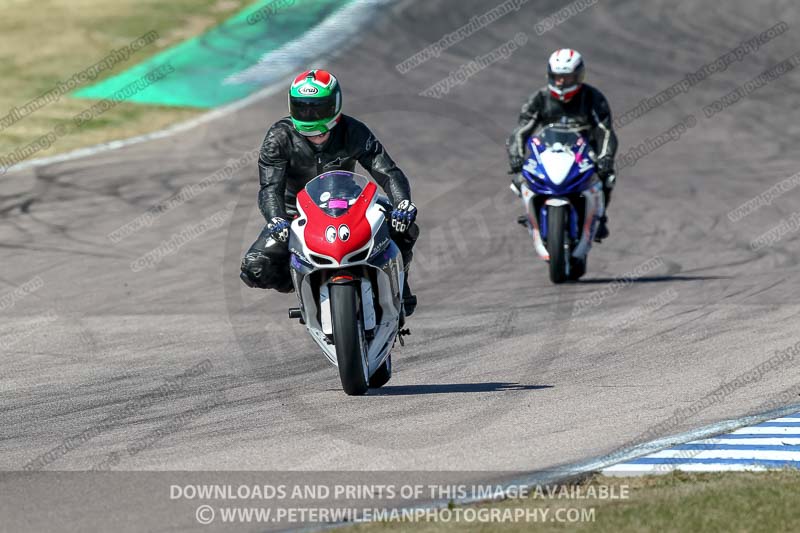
278	229
404	214
605	166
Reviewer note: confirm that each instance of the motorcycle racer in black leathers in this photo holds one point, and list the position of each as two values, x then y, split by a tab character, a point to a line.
567	99
317	138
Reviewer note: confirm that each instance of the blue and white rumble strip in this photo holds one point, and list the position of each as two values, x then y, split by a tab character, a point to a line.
774	444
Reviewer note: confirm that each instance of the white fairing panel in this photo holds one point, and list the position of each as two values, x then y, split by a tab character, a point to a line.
368	304
538	245
325	310
557	165
386	330
595	208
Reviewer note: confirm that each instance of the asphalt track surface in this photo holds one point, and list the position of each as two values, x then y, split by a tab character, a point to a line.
500	373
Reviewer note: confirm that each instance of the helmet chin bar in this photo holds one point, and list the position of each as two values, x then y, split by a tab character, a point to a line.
311	133
326	128
566	94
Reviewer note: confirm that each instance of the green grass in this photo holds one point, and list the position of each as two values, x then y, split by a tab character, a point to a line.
47	41
678	502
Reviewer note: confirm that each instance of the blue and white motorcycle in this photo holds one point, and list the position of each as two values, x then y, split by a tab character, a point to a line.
563	198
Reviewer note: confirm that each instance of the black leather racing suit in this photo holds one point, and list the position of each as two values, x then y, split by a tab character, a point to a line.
288	161
588	108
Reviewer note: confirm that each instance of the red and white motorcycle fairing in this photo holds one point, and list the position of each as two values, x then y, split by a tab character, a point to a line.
341	236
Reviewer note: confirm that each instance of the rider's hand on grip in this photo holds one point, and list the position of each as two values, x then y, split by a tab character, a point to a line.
605	166
404	214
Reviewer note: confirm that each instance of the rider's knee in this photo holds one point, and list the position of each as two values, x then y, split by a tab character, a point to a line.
267	268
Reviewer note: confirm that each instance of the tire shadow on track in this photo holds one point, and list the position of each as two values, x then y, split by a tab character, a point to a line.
651	279
454	388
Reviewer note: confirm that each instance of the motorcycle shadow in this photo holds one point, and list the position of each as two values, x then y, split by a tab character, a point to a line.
650	279
450	388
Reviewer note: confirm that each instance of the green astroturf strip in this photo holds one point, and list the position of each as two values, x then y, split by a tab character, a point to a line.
198	67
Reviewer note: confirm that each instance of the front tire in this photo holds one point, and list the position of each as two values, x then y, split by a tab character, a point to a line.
557	243
348	337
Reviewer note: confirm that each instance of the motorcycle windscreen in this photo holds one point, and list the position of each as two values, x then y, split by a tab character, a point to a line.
335	192
558	137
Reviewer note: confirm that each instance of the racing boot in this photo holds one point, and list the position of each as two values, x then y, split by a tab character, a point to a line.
602	229
405	241
409	300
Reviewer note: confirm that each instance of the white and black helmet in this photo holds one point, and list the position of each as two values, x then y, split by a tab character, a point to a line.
565	73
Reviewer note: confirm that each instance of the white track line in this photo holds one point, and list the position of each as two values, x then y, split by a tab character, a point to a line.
616	459
734	450
160	134
331	33
639	470
766	455
768	431
615	463
769	441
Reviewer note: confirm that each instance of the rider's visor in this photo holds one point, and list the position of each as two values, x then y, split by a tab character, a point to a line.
564	80
312	109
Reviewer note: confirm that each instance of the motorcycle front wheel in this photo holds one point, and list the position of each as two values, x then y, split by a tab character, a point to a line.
558	243
348	337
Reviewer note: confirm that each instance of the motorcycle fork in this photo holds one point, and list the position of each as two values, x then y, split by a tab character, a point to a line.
370	313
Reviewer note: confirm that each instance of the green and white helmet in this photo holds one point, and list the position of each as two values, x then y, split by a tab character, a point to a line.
315	102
